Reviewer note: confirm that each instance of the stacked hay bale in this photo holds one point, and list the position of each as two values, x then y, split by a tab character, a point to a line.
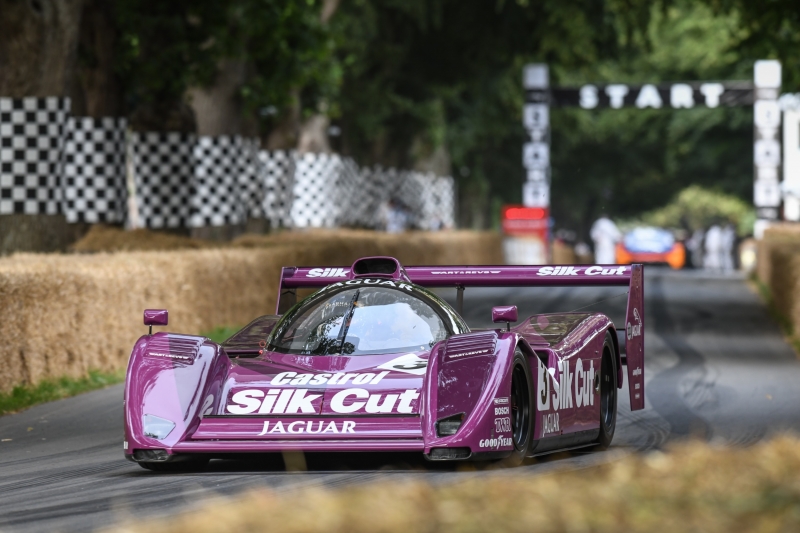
778	268
62	315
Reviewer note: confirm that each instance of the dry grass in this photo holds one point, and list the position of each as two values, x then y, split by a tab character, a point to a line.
62	315
694	487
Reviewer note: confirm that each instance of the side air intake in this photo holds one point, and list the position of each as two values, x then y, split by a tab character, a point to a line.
468	345
171	346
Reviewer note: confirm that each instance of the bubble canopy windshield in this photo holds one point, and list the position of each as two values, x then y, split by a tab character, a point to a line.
363	320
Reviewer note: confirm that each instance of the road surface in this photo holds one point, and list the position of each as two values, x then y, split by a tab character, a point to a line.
717	369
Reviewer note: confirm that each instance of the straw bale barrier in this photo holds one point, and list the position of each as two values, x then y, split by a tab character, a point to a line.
778	268
62	315
694	487
778	237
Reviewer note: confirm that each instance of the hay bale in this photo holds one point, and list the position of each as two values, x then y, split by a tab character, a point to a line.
691	487
785	284
786	236
63	315
101	238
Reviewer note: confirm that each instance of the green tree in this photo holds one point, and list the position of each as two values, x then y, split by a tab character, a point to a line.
628	161
425	75
168	47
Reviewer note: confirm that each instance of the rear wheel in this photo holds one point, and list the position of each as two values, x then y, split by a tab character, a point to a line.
521	412
608	394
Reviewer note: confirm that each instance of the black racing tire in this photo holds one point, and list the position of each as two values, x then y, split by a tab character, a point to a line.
608	394
188	465
522	409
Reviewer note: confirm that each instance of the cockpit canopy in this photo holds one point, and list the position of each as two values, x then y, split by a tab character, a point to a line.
365	319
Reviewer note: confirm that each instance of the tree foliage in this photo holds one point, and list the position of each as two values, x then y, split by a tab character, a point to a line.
168	47
698	208
424	74
436	84
420	75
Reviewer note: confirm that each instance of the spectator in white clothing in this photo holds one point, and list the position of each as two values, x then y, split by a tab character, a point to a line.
728	245
713	259
605	235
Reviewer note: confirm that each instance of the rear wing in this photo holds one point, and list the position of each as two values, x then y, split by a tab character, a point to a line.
459	277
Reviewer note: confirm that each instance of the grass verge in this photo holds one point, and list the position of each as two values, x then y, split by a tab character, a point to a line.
25	396
692	487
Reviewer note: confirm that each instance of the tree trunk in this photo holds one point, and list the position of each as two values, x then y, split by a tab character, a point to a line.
97	90
38	45
217	109
285	134
38	51
314	135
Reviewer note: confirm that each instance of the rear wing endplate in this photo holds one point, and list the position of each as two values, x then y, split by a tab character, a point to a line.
631	276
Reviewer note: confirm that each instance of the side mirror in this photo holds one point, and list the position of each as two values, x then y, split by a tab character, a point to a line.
504	313
155	317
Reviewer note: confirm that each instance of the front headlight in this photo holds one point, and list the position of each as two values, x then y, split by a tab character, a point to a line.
156	427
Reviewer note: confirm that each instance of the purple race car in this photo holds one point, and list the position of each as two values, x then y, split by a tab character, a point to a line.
374	361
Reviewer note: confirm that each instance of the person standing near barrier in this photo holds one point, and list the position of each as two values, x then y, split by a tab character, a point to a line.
728	243
695	247
397	217
605	235
713	259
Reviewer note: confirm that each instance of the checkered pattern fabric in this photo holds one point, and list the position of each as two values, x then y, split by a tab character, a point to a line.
50	163
331	191
357	195
163	170
94	170
277	170
251	179
442	197
379	185
218	182
31	152
317	200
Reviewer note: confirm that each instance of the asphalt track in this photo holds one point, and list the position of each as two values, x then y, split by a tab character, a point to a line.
717	369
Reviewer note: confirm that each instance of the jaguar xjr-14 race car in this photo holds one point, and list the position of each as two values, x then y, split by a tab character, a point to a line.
374	361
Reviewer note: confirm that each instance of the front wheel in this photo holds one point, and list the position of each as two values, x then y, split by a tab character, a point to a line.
608	394
521	411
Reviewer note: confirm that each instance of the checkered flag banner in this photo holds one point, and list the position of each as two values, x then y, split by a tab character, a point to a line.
163	172
331	191
379	186
220	184
276	171
31	154
317	199
251	181
94	185
51	163
441	203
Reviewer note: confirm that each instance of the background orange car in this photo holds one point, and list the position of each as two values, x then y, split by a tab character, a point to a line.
651	245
